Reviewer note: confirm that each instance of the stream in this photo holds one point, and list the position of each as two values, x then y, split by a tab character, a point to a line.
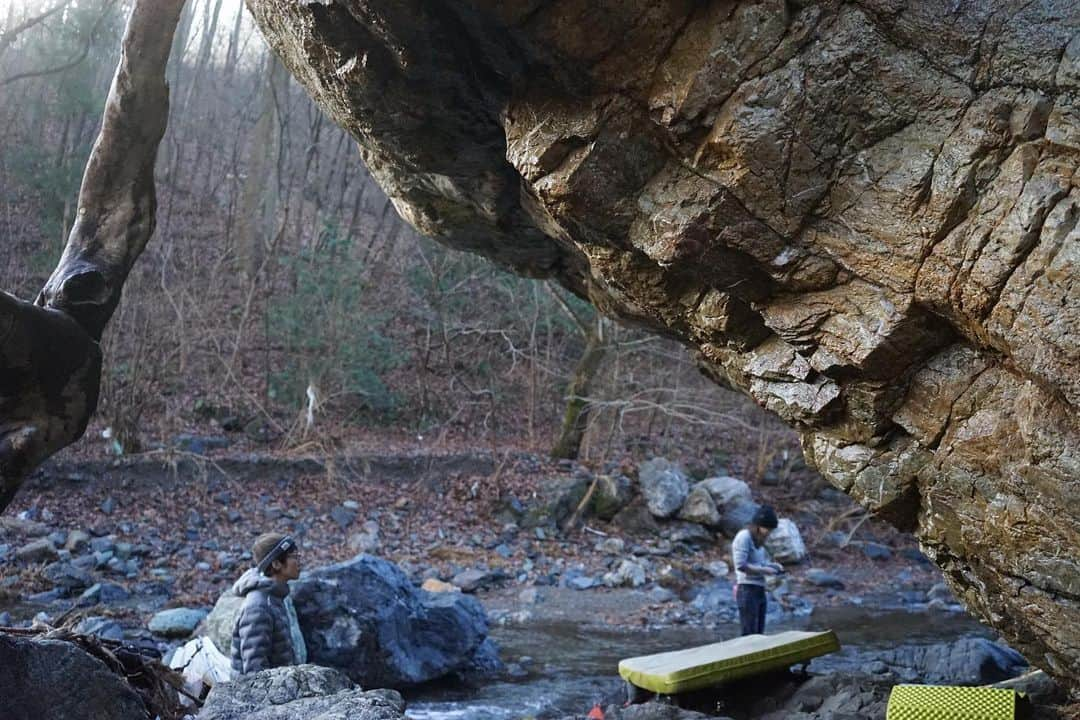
575	666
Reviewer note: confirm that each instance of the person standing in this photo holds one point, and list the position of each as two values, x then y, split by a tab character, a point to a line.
261	638
752	565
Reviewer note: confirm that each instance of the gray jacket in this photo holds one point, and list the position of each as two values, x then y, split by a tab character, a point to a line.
261	636
744	551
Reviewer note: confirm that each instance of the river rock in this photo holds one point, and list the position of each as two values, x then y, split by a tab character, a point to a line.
557	499
688	533
41	550
876	551
726	490
715	597
472	579
664	486
700	507
68	576
612	494
785	544
299	692
105	628
822	697
365	617
611	546
176	622
655	711
77	541
15	524
823	578
57	680
635	519
968	661
718	569
736	516
628	574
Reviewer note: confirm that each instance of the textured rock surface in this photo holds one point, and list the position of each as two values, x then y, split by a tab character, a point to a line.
301	692
79	685
365	617
862	214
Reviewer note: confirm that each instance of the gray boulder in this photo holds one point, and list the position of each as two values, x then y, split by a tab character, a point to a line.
557	500
612	494
176	622
734	501
472	579
300	692
968	661
68	576
635	519
700	507
365	617
56	680
628	574
823	578
735	517
785	543
41	550
726	490
664	486
102	627
656	711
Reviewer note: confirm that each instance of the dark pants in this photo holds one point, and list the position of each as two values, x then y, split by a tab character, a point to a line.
751	602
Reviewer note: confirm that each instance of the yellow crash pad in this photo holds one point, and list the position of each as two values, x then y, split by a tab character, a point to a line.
698	667
933	702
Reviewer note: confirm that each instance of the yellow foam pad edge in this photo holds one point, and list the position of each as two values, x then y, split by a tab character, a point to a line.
941	702
698	667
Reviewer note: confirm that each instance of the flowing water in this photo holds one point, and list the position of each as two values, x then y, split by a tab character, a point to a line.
574	666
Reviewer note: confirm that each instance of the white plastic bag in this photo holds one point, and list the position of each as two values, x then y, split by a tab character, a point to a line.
202	665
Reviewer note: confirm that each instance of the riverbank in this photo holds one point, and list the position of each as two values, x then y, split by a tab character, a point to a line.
117	542
177	533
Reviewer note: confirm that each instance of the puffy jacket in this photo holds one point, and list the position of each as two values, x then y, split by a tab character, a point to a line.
261	636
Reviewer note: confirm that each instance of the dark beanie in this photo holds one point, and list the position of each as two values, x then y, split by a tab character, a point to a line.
765	516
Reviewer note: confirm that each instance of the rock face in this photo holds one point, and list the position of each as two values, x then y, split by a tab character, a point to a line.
861	214
79	685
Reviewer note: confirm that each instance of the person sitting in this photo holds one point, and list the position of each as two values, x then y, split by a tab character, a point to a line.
752	564
261	638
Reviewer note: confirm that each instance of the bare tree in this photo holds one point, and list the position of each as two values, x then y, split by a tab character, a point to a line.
46	402
576	417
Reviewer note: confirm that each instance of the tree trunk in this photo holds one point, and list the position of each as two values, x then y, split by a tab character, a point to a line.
576	417
209	29
50	361
258	196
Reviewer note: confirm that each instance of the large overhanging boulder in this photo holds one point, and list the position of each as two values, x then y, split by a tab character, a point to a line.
861	214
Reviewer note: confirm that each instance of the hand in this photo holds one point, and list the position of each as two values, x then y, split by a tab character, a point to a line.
777	567
50	370
769	569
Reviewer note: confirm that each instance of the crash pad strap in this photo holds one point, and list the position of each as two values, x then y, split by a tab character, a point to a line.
698	667
940	702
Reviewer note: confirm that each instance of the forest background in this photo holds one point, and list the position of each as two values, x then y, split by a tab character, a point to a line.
283	305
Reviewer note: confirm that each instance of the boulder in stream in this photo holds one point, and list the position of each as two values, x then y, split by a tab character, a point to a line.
968	661
299	692
365	617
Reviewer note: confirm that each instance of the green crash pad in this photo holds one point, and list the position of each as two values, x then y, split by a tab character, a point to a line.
698	667
934	702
